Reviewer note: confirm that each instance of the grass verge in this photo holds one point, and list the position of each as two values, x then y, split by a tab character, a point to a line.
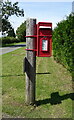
54	93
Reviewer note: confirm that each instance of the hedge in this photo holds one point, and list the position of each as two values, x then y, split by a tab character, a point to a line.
8	40
63	42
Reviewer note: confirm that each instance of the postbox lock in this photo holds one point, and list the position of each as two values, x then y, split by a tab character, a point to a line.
44	36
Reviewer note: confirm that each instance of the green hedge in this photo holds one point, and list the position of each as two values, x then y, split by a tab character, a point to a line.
8	40
63	42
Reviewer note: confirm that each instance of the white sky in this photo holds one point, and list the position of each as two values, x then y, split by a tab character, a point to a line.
41	0
43	10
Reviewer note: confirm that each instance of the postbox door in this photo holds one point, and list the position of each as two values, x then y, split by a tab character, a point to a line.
44	47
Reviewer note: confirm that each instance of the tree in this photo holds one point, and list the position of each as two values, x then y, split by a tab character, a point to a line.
21	32
7	28
11	33
7	10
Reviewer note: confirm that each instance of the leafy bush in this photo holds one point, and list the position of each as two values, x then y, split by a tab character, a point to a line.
21	32
63	38
8	40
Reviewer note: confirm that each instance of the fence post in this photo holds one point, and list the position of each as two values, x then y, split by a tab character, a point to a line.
30	62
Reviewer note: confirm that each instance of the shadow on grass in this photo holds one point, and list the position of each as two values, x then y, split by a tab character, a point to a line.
43	73
21	74
12	75
55	99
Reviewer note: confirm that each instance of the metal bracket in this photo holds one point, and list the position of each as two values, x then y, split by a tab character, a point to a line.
31	49
31	36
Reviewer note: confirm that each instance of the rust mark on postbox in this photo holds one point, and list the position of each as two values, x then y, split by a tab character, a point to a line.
43	39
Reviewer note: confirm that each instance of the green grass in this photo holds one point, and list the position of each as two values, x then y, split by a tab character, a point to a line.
53	88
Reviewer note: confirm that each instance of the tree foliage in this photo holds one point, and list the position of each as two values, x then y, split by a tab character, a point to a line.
7	28
21	32
63	45
7	10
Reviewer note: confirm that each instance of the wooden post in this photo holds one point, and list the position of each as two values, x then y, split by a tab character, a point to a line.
30	62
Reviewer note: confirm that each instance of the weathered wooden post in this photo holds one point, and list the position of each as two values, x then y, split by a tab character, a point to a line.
38	43
30	62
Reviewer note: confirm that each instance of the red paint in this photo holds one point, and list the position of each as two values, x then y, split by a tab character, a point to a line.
43	39
44	33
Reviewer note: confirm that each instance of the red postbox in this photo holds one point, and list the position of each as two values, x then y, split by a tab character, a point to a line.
43	39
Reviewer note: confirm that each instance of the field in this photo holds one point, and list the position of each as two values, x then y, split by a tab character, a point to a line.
54	92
